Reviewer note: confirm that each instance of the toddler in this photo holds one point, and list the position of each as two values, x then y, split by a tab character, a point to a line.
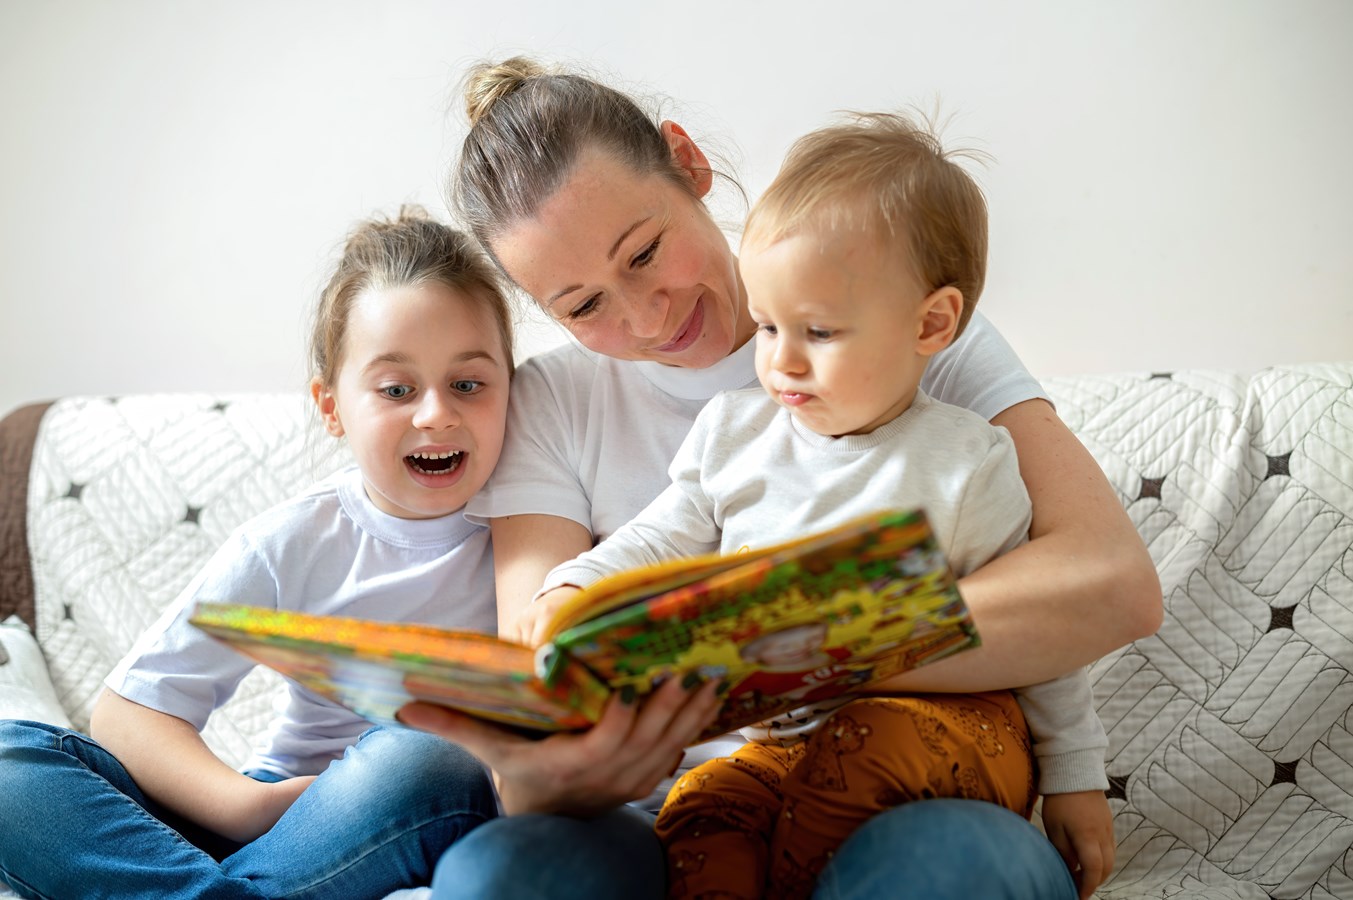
412	355
863	259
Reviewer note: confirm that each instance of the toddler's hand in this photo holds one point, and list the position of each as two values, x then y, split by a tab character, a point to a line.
531	625
1080	826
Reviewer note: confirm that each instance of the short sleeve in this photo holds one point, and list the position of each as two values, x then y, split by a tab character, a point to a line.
537	472
980	372
177	669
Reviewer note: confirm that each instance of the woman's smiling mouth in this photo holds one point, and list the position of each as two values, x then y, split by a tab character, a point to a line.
689	332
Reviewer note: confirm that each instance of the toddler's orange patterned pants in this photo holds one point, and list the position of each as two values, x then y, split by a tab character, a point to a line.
764	821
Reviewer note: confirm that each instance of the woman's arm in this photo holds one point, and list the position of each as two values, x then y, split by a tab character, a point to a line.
525	549
167	759
1082	586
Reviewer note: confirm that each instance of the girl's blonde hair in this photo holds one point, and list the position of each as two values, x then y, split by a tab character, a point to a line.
528	128
885	175
409	249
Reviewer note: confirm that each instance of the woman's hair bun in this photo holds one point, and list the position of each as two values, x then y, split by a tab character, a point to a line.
487	83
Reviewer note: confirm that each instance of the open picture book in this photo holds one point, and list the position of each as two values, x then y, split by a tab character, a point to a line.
780	627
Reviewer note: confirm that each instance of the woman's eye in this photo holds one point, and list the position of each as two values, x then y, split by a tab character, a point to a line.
584	309
397	391
466	386
648	253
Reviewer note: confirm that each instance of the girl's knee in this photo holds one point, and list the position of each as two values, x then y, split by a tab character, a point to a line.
419	765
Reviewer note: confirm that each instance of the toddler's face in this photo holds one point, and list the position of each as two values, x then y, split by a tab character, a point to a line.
838	323
421	396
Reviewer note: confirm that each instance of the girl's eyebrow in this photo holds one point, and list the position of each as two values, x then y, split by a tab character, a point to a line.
610	257
398	358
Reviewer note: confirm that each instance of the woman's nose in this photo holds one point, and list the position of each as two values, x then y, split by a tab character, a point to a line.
647	315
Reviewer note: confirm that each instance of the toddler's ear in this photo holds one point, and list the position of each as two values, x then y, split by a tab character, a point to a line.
328	407
937	319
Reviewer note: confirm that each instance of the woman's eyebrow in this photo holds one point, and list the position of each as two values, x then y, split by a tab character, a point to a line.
615	248
610	257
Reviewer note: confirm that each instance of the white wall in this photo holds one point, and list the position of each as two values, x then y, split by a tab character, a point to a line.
1170	188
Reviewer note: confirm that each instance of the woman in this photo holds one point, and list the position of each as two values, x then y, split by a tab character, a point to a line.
598	214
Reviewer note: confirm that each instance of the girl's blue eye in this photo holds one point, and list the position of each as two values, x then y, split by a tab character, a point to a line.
397	391
466	386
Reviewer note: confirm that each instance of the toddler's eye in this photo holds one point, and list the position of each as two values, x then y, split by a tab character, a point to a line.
768	329
820	334
397	391
466	386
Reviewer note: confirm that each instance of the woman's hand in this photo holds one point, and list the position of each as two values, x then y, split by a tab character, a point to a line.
623	757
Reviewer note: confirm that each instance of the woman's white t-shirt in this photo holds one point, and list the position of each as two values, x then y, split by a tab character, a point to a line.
589	438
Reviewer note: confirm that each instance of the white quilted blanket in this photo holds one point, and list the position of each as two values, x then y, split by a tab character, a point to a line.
1231	737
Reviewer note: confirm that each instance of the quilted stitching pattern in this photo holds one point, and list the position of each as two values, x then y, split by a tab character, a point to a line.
1230	732
127	500
1230	756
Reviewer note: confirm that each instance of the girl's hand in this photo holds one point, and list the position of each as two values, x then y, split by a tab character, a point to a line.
623	757
252	807
531	625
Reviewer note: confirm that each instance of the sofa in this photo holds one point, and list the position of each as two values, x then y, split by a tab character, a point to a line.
1230	753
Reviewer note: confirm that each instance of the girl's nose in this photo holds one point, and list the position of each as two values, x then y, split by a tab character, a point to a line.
435	412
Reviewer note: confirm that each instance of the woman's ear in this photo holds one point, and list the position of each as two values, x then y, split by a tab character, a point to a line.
937	320
328	407
688	156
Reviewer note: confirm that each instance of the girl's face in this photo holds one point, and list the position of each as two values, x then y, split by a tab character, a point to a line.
632	266
421	395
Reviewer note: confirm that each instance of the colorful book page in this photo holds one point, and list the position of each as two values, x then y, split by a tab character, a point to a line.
374	668
799	624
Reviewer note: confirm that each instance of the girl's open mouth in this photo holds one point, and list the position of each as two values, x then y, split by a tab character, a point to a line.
434	464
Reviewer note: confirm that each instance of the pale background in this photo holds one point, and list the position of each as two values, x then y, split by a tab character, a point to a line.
1171	185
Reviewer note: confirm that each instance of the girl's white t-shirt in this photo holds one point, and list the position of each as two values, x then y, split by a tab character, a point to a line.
329	551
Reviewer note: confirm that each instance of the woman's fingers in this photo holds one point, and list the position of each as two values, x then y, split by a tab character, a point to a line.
621	758
486	741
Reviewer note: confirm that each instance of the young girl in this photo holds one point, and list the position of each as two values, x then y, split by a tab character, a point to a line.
412	354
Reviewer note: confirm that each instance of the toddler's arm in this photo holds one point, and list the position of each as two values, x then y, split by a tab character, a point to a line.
680	522
170	762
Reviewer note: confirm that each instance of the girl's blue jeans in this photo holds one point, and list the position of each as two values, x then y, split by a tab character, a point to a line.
929	849
76	825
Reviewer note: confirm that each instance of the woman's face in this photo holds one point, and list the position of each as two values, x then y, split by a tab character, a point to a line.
632	266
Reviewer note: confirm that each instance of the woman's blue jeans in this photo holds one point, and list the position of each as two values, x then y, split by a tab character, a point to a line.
76	825
928	849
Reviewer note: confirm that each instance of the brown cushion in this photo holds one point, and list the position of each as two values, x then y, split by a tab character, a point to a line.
18	431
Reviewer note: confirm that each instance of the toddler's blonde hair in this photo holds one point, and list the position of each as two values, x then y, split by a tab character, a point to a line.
890	178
